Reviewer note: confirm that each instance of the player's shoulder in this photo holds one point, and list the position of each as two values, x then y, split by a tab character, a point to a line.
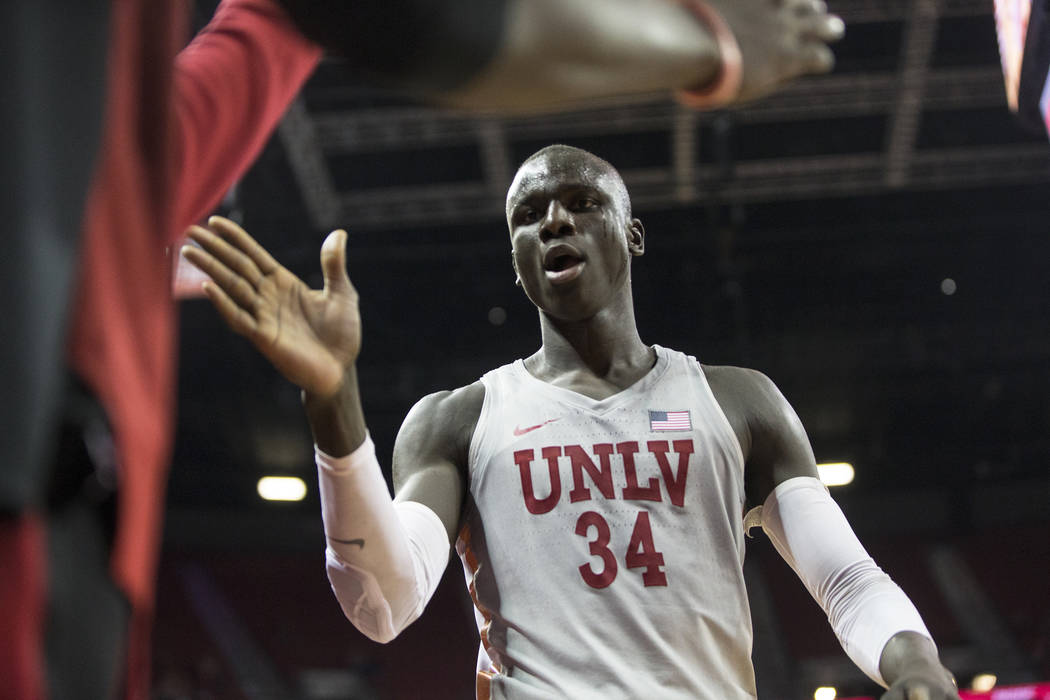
753	405
460	398
745	395
736	381
448	414
723	378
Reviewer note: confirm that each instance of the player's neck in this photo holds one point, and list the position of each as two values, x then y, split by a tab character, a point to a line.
606	346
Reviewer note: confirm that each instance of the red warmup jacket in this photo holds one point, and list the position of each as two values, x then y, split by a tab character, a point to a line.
179	130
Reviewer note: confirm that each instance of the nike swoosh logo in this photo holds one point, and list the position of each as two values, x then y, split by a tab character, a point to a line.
360	543
518	432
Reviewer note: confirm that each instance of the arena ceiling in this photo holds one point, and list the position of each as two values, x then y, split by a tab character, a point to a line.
874	240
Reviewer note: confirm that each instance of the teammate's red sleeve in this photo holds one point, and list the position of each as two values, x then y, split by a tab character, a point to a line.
232	85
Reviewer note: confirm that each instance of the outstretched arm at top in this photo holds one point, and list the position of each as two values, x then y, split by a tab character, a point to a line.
528	55
384	558
711	53
876	624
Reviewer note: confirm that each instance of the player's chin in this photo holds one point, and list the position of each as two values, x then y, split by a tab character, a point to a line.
553	300
568	309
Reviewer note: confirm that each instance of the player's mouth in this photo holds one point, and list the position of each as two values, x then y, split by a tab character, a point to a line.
562	263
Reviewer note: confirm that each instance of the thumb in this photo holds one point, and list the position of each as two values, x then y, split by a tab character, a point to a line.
333	263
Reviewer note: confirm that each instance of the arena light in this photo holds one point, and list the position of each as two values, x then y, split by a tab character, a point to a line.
835	473
983	682
825	693
281	488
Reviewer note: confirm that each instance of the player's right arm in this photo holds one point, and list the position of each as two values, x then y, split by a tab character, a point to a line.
384	557
431	452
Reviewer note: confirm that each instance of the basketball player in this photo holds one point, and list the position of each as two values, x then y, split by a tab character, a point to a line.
595	490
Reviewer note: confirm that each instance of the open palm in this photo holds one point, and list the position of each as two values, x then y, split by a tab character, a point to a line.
310	335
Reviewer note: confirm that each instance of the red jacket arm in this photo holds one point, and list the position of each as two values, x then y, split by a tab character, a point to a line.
232	85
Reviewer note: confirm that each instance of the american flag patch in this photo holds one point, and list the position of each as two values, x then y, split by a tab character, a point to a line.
670	420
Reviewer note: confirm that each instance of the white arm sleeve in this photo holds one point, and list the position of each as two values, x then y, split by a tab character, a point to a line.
864	606
384	559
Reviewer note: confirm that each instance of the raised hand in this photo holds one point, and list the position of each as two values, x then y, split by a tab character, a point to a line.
311	336
780	40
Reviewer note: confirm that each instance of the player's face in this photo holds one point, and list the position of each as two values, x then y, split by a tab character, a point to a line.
571	236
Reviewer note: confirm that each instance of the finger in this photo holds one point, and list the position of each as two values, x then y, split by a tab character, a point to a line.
230	255
333	264
239	320
204	261
808	7
243	241
231	283
816	58
823	28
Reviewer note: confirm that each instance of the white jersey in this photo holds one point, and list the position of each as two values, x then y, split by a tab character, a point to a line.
603	541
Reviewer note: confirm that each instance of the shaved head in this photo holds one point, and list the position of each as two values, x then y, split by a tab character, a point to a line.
562	160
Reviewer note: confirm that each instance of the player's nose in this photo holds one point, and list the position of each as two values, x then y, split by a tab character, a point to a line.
557	222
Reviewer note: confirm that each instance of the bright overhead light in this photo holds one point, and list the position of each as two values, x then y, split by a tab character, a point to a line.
983	682
282	488
824	693
835	473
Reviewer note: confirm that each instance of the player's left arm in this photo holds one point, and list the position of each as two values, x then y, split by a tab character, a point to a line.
877	625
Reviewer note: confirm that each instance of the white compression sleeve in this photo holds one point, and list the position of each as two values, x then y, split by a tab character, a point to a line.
864	606
384	559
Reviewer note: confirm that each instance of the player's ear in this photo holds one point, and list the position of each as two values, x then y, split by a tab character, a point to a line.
636	237
514	264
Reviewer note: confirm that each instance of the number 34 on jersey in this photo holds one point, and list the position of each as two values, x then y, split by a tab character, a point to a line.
600	475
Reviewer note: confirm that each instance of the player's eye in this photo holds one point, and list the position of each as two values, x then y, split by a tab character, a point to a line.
527	216
586	203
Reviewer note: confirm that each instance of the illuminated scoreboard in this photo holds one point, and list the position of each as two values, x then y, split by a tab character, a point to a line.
1024	48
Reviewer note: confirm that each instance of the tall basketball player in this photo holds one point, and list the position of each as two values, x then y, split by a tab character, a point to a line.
595	490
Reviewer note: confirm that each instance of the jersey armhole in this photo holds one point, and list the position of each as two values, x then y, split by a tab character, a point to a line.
480	451
727	427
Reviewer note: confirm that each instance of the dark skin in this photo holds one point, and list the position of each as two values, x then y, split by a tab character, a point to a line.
572	238
561	52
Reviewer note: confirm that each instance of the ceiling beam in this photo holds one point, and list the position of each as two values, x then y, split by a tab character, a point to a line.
863	11
495	156
684	150
819	97
920	33
776	179
306	159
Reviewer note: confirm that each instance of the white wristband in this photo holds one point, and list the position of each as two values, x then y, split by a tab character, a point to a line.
384	559
864	606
